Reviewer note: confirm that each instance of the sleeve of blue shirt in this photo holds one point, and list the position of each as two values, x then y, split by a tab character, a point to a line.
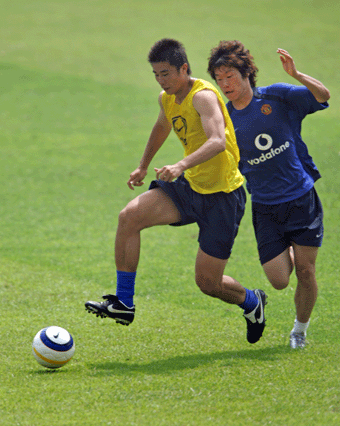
303	101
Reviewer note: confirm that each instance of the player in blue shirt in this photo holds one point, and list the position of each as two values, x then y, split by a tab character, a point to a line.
280	173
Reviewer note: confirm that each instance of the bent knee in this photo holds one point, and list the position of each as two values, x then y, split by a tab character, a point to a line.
206	285
279	284
129	216
125	215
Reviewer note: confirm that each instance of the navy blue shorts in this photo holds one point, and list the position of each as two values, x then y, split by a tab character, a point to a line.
217	215
278	225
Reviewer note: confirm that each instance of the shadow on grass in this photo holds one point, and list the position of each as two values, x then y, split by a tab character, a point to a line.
170	365
46	371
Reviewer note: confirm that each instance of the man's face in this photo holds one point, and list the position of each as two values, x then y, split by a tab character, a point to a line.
231	82
169	78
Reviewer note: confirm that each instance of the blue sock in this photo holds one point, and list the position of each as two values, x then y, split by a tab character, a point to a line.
250	302
126	287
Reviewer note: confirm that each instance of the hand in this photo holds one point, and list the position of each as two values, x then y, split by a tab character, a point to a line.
136	178
169	173
287	62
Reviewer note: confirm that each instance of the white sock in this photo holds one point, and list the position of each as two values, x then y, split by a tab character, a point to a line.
300	327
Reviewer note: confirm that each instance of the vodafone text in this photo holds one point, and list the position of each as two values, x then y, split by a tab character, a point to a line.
270	154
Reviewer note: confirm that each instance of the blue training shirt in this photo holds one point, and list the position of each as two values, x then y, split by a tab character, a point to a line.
274	158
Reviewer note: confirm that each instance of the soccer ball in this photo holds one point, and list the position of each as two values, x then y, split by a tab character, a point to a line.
53	347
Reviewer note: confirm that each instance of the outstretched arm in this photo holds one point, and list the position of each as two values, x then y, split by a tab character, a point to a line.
319	91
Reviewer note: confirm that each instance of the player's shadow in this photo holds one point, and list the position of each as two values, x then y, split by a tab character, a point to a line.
170	365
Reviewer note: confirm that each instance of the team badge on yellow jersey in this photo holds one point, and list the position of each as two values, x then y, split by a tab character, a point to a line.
179	124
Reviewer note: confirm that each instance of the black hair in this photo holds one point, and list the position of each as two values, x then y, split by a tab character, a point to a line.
171	51
233	54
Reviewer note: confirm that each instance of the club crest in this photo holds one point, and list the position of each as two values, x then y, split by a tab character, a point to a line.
266	109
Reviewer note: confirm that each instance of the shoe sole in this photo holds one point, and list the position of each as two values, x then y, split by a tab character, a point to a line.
295	346
96	311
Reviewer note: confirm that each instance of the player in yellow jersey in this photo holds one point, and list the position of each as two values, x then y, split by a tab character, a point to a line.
204	187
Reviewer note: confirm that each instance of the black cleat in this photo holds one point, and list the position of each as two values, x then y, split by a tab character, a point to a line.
112	307
255	319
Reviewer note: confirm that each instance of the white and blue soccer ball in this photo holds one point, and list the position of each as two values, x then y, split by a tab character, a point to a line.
53	347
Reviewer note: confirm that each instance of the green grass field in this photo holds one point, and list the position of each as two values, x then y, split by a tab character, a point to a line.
77	103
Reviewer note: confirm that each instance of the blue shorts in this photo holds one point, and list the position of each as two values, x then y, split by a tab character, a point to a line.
217	215
278	225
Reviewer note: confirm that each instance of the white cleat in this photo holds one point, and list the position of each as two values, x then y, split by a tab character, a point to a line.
297	340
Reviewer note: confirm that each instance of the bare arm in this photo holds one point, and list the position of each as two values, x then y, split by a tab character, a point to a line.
206	104
319	91
158	135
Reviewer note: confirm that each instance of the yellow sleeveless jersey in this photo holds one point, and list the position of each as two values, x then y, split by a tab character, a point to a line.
221	172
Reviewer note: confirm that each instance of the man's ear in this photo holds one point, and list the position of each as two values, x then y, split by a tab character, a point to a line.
184	68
